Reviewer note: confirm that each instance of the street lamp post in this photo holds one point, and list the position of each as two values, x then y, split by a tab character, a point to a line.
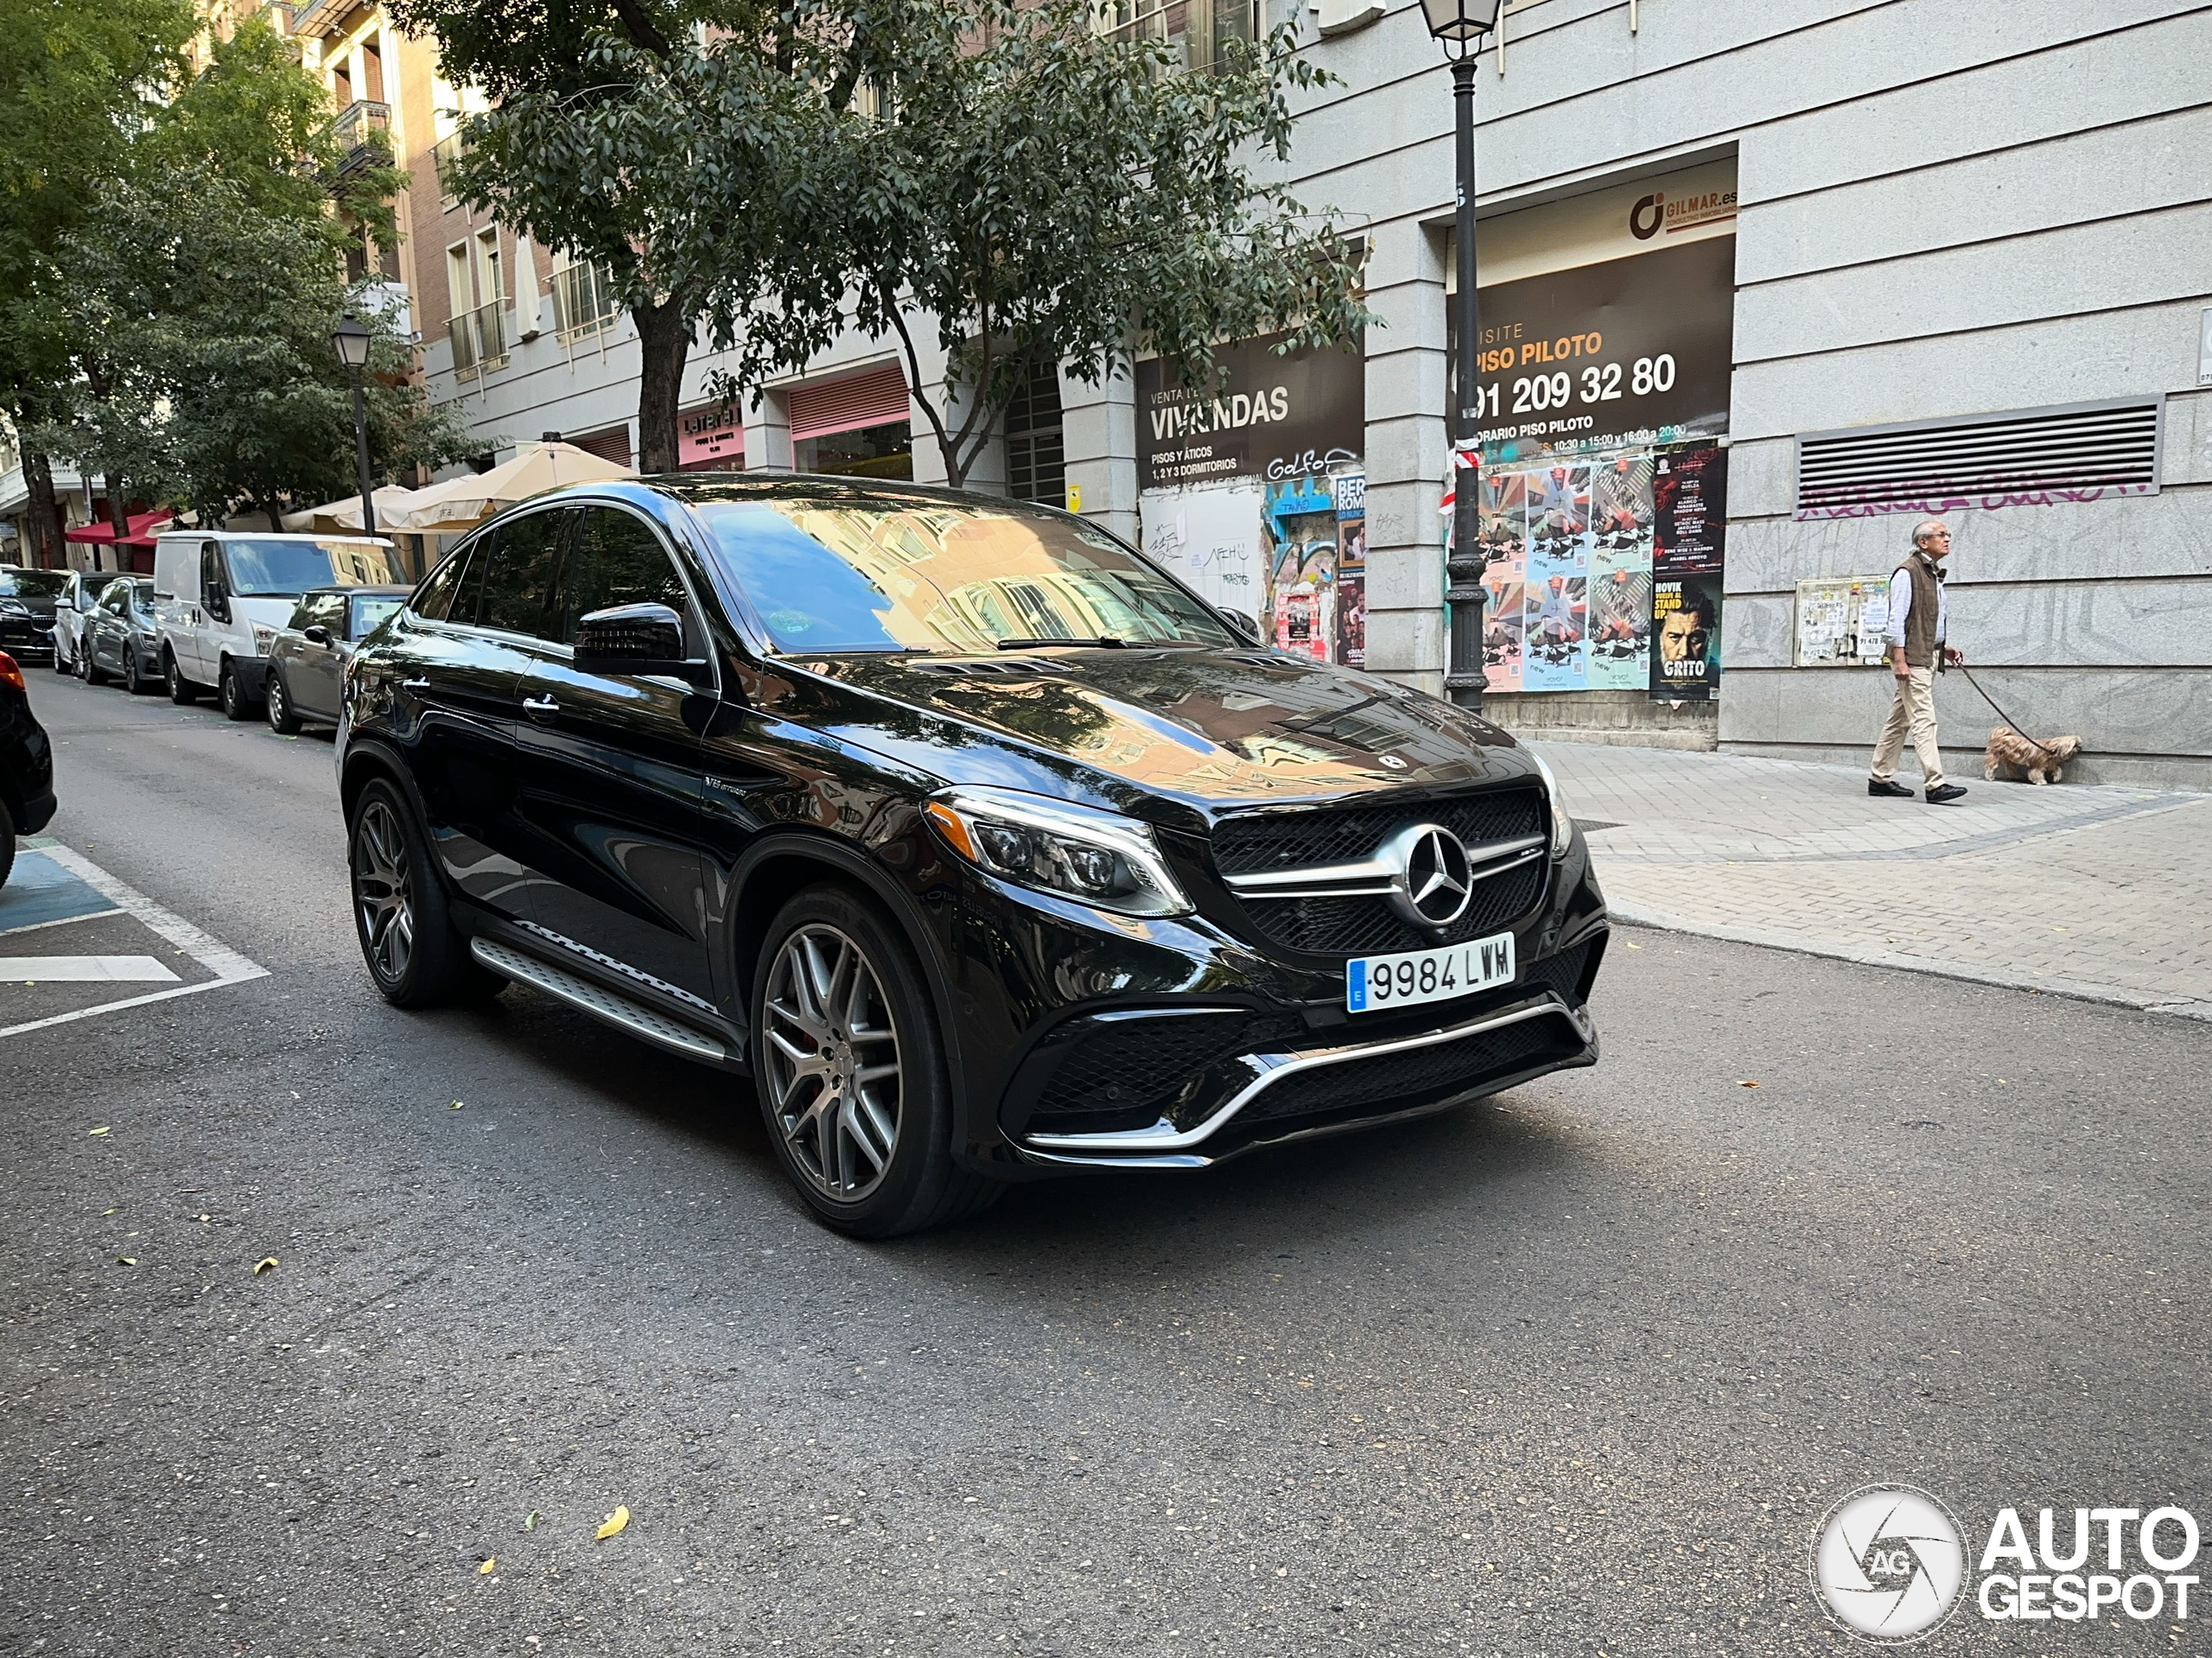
1461	25
352	338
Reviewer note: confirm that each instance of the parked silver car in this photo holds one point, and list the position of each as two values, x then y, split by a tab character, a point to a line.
121	637
307	660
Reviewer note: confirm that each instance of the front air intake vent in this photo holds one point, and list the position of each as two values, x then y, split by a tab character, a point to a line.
2080	452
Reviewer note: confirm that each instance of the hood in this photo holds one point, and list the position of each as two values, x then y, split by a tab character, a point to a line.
1208	729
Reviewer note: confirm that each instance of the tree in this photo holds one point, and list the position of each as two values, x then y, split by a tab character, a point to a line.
1049	195
79	84
681	148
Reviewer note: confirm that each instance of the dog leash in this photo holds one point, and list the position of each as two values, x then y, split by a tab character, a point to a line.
2001	714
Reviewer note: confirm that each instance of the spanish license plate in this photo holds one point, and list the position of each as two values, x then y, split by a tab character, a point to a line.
1374	982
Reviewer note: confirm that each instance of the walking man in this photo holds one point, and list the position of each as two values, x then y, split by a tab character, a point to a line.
1918	616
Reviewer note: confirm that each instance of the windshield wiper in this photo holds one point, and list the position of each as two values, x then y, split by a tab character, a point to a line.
1105	641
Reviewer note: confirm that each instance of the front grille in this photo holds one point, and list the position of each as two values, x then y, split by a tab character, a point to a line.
1562	973
1367	926
1138	1068
1417	1077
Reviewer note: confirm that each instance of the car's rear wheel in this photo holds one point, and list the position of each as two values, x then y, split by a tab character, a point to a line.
416	955
182	691
851	1072
236	705
277	704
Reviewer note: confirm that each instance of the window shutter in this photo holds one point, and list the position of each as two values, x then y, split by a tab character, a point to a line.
612	444
875	398
2033	456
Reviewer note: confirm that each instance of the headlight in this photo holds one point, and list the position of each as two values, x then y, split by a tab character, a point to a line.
11	607
263	639
1562	825
1094	857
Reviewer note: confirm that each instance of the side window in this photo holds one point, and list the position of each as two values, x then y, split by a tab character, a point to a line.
117	598
302	613
617	560
330	610
518	586
433	601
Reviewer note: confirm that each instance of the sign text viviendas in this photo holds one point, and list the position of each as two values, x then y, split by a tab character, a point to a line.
1262	415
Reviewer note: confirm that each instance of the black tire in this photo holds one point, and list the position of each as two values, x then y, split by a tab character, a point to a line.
81	665
63	664
7	842
133	682
90	670
236	704
429	965
182	691
919	1186
277	703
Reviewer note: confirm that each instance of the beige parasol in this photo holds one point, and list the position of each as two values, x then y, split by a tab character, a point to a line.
461	504
346	514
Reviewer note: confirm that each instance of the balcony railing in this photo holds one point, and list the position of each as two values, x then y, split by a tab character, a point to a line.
443	154
479	340
583	304
363	130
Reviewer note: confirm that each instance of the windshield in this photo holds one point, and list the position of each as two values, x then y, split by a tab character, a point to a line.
284	569
33	584
369	613
852	574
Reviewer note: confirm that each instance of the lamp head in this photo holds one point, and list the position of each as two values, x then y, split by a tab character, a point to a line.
1461	23
352	338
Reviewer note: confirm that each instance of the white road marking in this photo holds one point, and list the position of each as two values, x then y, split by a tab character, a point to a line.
219	958
84	969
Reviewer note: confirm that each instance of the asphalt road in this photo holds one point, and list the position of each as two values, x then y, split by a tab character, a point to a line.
1576	1371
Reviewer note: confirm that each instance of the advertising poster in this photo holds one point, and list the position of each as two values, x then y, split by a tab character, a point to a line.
1215	539
1690	517
1620	573
1350	492
1301	514
1262	415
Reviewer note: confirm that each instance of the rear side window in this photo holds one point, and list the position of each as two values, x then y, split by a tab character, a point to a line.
617	560
518	594
433	601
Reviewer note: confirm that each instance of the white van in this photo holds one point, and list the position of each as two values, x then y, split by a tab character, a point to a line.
221	596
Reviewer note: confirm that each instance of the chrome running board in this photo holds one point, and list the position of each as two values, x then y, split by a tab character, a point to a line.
590	997
1163	1136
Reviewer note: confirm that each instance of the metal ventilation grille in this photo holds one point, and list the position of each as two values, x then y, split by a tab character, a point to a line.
2083	450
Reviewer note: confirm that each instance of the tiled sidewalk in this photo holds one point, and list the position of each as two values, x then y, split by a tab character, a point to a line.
2105	893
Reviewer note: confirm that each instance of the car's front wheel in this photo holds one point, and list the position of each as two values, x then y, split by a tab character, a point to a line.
416	954
851	1073
236	705
276	703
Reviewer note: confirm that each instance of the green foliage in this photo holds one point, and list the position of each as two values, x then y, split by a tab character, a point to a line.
1048	194
203	324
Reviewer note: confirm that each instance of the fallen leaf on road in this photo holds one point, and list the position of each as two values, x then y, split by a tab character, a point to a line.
529	1521
98	1131
1631	946
455	1106
1747	1084
126	1260
485	1570
615	1522
263	1265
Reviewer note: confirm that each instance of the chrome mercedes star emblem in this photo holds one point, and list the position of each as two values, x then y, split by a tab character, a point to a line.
1434	883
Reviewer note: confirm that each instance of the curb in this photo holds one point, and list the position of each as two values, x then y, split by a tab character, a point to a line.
1637	915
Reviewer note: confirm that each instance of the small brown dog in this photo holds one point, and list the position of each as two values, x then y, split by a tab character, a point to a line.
2009	752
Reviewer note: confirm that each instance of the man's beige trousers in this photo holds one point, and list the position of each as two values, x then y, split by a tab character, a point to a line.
1912	710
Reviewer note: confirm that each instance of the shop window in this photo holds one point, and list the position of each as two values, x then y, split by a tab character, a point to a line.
1036	464
885	451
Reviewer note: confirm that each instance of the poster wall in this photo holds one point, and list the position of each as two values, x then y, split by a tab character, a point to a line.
1842	620
1279	436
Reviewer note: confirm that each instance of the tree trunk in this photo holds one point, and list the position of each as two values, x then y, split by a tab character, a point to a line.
41	515
663	342
119	513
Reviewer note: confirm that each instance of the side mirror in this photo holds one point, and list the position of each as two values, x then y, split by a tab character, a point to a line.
1239	624
639	640
315	633
217	599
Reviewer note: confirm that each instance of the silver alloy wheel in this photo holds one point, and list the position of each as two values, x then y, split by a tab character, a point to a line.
273	704
383	893
832	1062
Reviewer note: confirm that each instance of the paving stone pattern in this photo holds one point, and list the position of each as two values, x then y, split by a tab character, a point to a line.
2102	892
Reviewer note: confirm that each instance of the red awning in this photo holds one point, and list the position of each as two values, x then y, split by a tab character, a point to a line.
143	527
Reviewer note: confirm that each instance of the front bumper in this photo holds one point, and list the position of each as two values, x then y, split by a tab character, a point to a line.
22	638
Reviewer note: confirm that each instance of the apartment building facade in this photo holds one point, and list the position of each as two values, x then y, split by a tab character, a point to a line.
1763	285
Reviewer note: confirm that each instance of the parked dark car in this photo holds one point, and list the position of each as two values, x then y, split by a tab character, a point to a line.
122	637
26	766
985	847
308	658
27	599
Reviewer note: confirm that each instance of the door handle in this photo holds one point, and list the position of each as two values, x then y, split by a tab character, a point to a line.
420	684
541	709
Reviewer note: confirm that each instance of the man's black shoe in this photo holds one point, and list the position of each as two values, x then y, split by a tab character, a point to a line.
1890	791
1945	795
